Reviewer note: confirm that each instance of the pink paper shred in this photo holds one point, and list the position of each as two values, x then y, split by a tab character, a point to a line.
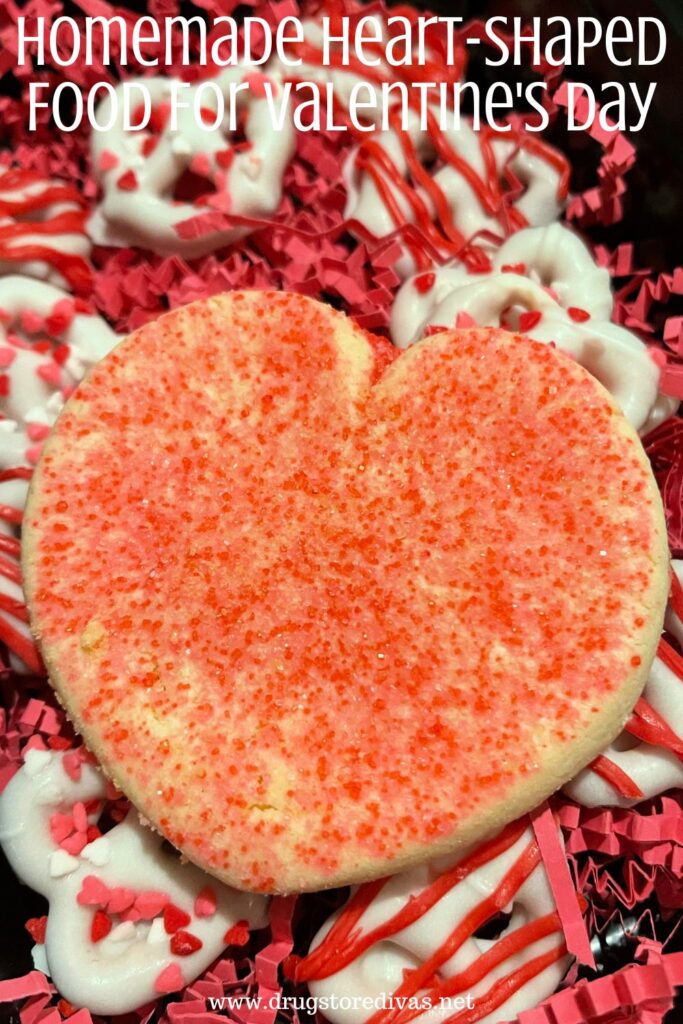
627	864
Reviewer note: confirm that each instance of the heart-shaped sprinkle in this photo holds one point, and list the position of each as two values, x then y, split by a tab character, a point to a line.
238	935
175	918
184	943
101	926
169	980
205	903
94	893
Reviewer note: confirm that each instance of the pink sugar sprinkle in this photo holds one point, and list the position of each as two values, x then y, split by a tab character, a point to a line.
201	165
37	431
128	182
150	903
71	764
169	980
31	322
131	915
5	316
7	356
108	160
94	893
33	454
206	902
120	899
464	320
257	83
50	373
75	843
80	817
61	826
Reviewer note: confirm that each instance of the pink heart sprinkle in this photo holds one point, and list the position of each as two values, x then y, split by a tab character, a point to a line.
169	980
108	160
205	904
150	904
120	899
94	893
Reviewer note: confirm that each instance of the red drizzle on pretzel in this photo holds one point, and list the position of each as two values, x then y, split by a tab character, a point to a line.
345	942
25	214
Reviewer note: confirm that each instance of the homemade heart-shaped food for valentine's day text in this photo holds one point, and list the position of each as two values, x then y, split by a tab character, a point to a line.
322	615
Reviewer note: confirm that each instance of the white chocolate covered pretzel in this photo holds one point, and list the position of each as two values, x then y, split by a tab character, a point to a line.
139	170
128	921
414	950
544	283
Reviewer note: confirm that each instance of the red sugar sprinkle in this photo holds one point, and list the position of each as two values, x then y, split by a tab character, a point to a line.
513	268
529	320
175	918
185	943
100	927
578	315
61	354
36	927
238	935
169	980
128	182
424	283
7	356
205	904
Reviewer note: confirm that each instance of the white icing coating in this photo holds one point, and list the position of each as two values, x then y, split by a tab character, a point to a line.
13	192
380	970
249	185
653	769
118	973
559	273
36	381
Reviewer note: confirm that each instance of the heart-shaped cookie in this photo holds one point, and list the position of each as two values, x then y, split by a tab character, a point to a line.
322	618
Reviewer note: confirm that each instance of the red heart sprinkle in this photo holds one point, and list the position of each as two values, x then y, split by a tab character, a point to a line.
424	283
529	320
185	943
100	927
36	927
175	918
578	315
128	182
238	935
